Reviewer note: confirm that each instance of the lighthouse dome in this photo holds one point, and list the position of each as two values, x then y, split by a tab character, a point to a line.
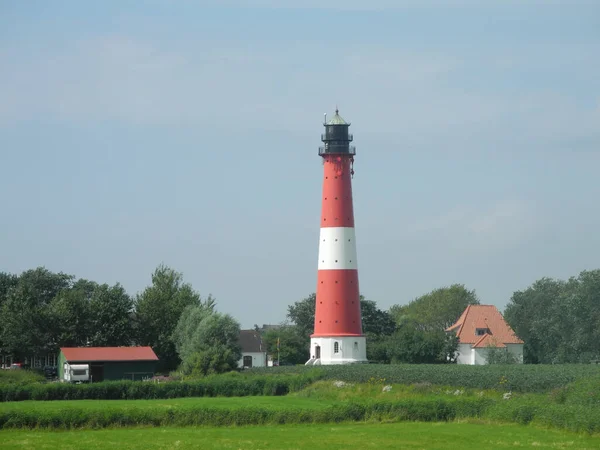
337	119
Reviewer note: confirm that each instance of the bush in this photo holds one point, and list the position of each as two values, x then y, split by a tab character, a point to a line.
201	414
512	377
20	377
211	386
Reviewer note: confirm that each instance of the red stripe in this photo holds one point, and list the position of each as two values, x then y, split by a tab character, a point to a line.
337	311
337	210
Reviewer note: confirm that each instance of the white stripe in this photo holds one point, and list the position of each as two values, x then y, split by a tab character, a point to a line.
337	248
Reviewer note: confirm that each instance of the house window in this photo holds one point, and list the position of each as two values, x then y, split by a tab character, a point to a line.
336	347
481	331
356	346
248	361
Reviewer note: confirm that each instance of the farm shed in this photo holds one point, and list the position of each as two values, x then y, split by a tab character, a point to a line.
110	363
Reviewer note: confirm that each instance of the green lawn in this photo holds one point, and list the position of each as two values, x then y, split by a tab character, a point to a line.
411	435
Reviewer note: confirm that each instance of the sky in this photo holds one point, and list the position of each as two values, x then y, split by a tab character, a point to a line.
185	133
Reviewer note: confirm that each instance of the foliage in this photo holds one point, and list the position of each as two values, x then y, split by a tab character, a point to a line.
321	402
226	385
70	315
110	317
26	322
158	309
499	355
207	341
436	310
293	345
375	321
518	377
413	345
19	377
230	412
558	320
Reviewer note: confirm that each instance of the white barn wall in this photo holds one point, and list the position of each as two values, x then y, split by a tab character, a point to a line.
259	359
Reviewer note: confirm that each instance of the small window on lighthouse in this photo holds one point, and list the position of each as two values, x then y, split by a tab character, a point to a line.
336	347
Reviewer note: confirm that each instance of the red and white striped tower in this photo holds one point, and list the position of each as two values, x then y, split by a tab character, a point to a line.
338	336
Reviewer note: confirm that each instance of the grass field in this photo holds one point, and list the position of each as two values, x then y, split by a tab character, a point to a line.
414	435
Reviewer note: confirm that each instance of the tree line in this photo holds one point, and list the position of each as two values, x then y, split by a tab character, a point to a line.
41	311
559	321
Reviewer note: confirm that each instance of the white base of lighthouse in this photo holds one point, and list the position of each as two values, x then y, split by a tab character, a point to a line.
337	350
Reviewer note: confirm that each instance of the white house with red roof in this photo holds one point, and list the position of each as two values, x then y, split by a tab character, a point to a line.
480	327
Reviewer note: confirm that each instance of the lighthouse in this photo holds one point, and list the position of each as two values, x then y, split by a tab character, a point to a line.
337	336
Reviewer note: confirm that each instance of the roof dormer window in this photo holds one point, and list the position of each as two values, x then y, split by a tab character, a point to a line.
481	331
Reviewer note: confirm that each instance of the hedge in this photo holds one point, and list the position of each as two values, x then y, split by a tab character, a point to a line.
212	386
78	417
514	377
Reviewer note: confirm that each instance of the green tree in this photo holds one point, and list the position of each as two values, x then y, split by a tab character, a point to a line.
412	345
500	355
436	310
7	282
26	320
302	314
207	341
110	323
69	313
293	344
375	322
157	311
558	320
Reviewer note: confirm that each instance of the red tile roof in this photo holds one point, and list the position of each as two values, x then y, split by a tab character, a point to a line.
86	354
484	316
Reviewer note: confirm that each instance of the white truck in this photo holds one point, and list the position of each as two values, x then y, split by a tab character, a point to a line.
76	373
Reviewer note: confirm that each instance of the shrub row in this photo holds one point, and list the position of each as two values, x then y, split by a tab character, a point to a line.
514	377
212	386
20	377
575	418
79	417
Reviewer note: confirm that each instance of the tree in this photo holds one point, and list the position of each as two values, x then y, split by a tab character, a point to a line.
558	320
375	322
436	310
7	282
499	355
110	309
26	321
413	345
207	341
158	309
302	314
69	313
294	345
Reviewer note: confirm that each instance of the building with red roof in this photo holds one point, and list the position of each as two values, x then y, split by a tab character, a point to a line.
110	363
480	327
